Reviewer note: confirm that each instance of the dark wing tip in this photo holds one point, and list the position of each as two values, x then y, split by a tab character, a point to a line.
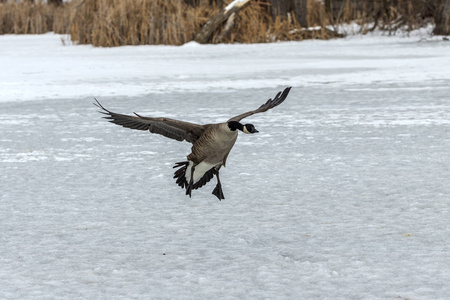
271	103
98	104
283	96
277	100
139	116
286	91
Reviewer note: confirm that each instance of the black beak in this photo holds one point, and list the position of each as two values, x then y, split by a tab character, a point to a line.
255	131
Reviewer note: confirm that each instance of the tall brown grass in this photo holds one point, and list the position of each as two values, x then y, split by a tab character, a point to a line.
25	17
110	23
135	22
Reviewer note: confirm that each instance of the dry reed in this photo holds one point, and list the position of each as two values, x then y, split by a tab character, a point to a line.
135	22
110	23
26	17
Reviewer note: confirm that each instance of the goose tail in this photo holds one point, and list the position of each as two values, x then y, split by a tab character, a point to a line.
180	174
203	173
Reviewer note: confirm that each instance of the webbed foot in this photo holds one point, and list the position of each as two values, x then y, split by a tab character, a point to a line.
218	192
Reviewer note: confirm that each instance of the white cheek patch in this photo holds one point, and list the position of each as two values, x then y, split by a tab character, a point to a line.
245	130
199	171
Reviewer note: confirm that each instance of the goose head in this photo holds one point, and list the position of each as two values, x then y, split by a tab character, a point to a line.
247	128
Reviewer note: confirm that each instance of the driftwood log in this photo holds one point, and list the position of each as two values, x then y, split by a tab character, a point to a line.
205	34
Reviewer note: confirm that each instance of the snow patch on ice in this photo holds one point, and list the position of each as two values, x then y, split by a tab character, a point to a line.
191	44
83	139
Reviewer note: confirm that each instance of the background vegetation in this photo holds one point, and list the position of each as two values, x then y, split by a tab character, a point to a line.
174	22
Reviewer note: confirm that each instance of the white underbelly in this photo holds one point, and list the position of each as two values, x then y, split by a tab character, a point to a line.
199	171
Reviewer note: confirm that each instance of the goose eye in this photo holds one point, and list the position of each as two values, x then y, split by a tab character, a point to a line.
250	128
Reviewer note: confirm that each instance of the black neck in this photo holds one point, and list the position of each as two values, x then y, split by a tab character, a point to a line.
233	125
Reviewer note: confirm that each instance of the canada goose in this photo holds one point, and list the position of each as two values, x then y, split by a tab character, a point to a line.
211	142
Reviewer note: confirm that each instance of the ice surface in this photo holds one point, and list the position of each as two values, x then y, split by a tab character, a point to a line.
40	67
344	193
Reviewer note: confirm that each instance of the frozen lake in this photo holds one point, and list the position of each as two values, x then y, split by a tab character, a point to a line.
344	193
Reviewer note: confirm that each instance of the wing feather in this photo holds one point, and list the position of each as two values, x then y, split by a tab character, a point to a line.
174	129
271	103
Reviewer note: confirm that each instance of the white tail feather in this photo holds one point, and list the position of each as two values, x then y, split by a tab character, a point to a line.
199	171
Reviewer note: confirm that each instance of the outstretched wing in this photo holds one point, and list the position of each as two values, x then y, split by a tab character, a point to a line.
279	98
174	129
